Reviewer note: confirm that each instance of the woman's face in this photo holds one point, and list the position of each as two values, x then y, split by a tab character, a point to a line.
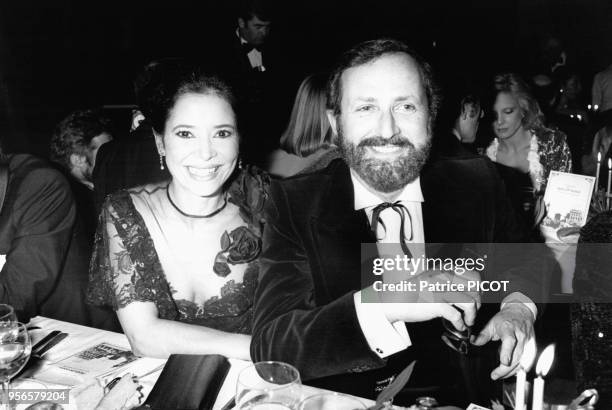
200	142
508	115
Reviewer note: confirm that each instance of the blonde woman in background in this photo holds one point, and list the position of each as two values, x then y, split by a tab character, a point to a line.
306	144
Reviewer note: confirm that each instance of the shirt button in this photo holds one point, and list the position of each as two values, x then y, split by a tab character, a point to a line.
379	350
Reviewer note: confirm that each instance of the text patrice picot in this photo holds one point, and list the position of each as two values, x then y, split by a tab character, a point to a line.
413	266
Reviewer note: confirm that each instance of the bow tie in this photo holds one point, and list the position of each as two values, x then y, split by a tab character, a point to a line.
247	48
402	211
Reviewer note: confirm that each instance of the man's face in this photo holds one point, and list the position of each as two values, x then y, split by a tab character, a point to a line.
383	125
254	31
469	122
92	151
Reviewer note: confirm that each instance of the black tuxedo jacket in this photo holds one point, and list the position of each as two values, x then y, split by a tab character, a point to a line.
310	264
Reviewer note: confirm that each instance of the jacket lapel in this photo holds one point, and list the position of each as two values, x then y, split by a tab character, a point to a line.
338	230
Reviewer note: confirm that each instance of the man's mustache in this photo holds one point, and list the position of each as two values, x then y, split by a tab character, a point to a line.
378	141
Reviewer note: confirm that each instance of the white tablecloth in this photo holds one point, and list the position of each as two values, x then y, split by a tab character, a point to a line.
81	337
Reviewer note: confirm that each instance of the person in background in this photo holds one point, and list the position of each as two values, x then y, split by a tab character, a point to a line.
601	92
458	121
36	224
76	141
177	259
601	128
570	115
524	149
306	144
75	144
244	59
132	161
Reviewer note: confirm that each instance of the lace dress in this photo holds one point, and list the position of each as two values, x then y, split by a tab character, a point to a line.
129	269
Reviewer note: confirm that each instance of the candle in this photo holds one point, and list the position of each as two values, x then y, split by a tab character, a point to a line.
521	375
589	107
609	179
579	117
542	368
597	172
596	107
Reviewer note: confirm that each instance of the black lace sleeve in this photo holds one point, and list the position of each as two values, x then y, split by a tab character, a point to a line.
124	267
554	153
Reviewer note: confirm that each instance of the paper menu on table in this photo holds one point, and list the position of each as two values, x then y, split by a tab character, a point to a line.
98	361
567	200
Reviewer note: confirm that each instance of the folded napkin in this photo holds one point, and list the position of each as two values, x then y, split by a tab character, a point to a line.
124	395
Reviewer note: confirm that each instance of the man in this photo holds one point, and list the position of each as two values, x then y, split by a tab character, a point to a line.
76	141
75	145
36	224
458	122
308	309
132	161
245	60
252	32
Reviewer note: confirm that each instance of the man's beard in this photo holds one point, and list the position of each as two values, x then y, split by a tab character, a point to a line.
385	176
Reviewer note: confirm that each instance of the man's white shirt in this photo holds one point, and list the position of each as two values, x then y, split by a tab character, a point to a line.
255	56
383	337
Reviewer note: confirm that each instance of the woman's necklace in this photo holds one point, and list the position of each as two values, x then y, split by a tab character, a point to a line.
180	211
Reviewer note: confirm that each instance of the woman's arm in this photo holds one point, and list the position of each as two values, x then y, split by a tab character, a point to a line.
154	337
135	290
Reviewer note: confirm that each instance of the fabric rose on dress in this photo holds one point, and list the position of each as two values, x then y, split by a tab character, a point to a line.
245	246
240	246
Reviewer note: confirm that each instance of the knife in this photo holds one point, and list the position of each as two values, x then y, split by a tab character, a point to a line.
53	341
395	387
42	342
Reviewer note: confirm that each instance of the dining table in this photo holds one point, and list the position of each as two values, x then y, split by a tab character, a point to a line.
79	338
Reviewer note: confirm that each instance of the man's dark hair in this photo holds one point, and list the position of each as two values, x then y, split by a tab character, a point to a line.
74	134
247	9
459	93
369	51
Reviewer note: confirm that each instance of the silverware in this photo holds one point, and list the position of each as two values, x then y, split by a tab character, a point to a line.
52	342
109	386
229	405
42	342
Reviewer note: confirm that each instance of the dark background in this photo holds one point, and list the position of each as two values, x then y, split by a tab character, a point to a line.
60	55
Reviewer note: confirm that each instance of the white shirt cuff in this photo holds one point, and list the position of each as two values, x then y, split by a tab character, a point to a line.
518	297
383	337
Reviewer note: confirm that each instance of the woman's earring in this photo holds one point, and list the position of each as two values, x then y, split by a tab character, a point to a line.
161	162
239	163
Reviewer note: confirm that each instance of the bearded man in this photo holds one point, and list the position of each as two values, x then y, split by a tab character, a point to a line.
308	306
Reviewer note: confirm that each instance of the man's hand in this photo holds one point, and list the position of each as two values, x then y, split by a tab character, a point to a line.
458	307
513	325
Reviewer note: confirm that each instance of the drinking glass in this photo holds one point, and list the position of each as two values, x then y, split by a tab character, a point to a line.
331	401
15	349
7	313
268	386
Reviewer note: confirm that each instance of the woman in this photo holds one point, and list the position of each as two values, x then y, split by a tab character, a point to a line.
306	144
524	149
177	260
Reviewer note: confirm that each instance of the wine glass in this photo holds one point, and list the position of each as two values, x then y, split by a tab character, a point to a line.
15	349
268	386
331	401
7	313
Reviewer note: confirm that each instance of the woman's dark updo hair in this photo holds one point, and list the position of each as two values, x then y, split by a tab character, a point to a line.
177	82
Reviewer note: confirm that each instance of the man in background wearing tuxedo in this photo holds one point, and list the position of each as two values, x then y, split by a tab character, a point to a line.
308	308
247	64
